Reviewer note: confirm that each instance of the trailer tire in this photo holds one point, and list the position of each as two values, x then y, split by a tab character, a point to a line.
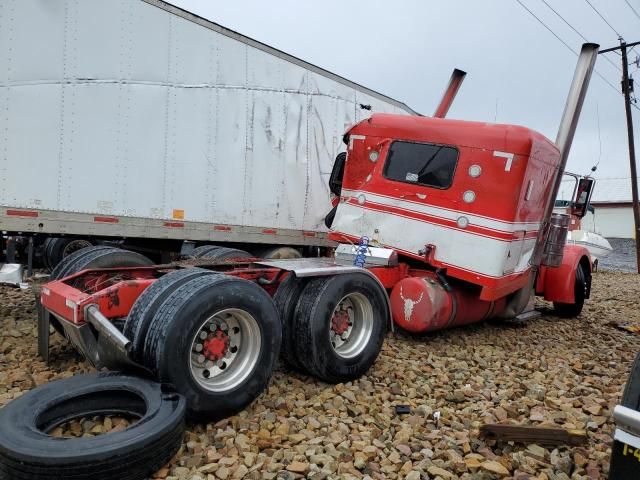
205	306
60	270
101	257
286	298
146	305
571	310
45	254
321	310
200	251
131	454
225	254
56	249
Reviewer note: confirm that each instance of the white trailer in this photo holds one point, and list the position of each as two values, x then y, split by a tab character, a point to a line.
139	120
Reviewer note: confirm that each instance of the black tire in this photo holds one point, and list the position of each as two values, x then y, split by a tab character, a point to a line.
313	322
145	307
199	251
67	263
101	257
49	255
571	310
225	254
45	253
131	454
172	335
631	394
56	249
286	298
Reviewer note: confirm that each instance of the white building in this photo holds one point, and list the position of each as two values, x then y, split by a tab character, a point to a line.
613	217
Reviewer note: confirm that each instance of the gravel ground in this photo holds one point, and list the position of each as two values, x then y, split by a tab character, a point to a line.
567	373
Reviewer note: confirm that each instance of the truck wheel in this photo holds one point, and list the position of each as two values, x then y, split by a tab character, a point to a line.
27	452
340	324
286	298
570	310
225	254
98	257
199	251
55	249
145	307
216	339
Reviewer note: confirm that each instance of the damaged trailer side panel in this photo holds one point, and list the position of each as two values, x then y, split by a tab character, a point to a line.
138	119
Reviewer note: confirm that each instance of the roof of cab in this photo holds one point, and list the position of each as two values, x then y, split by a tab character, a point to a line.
492	136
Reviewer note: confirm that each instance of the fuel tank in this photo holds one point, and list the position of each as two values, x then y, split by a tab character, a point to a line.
424	304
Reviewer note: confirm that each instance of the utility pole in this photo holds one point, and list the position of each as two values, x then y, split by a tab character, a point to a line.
626	89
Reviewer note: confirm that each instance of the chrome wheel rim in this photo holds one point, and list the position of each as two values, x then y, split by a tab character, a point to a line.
225	350
351	325
74	246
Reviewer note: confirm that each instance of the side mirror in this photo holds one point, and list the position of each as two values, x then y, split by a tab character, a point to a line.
335	181
583	197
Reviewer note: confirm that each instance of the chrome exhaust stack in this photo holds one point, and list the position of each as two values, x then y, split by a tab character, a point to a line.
566	132
568	124
457	77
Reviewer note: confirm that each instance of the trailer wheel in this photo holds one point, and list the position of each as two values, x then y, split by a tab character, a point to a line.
216	338
100	257
286	298
45	253
146	305
340	325
55	249
570	310
28	452
67	263
200	251
225	254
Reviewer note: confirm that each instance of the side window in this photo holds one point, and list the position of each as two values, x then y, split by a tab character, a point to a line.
421	164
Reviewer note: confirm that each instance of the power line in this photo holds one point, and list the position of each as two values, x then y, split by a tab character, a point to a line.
604	19
569	47
547	27
580	34
632	9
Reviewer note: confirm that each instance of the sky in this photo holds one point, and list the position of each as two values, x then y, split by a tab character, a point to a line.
517	71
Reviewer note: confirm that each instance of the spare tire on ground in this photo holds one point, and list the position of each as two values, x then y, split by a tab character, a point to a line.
28	452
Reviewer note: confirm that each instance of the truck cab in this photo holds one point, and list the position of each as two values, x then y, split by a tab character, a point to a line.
467	197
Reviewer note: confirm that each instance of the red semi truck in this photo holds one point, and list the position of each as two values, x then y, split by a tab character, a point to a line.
439	223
